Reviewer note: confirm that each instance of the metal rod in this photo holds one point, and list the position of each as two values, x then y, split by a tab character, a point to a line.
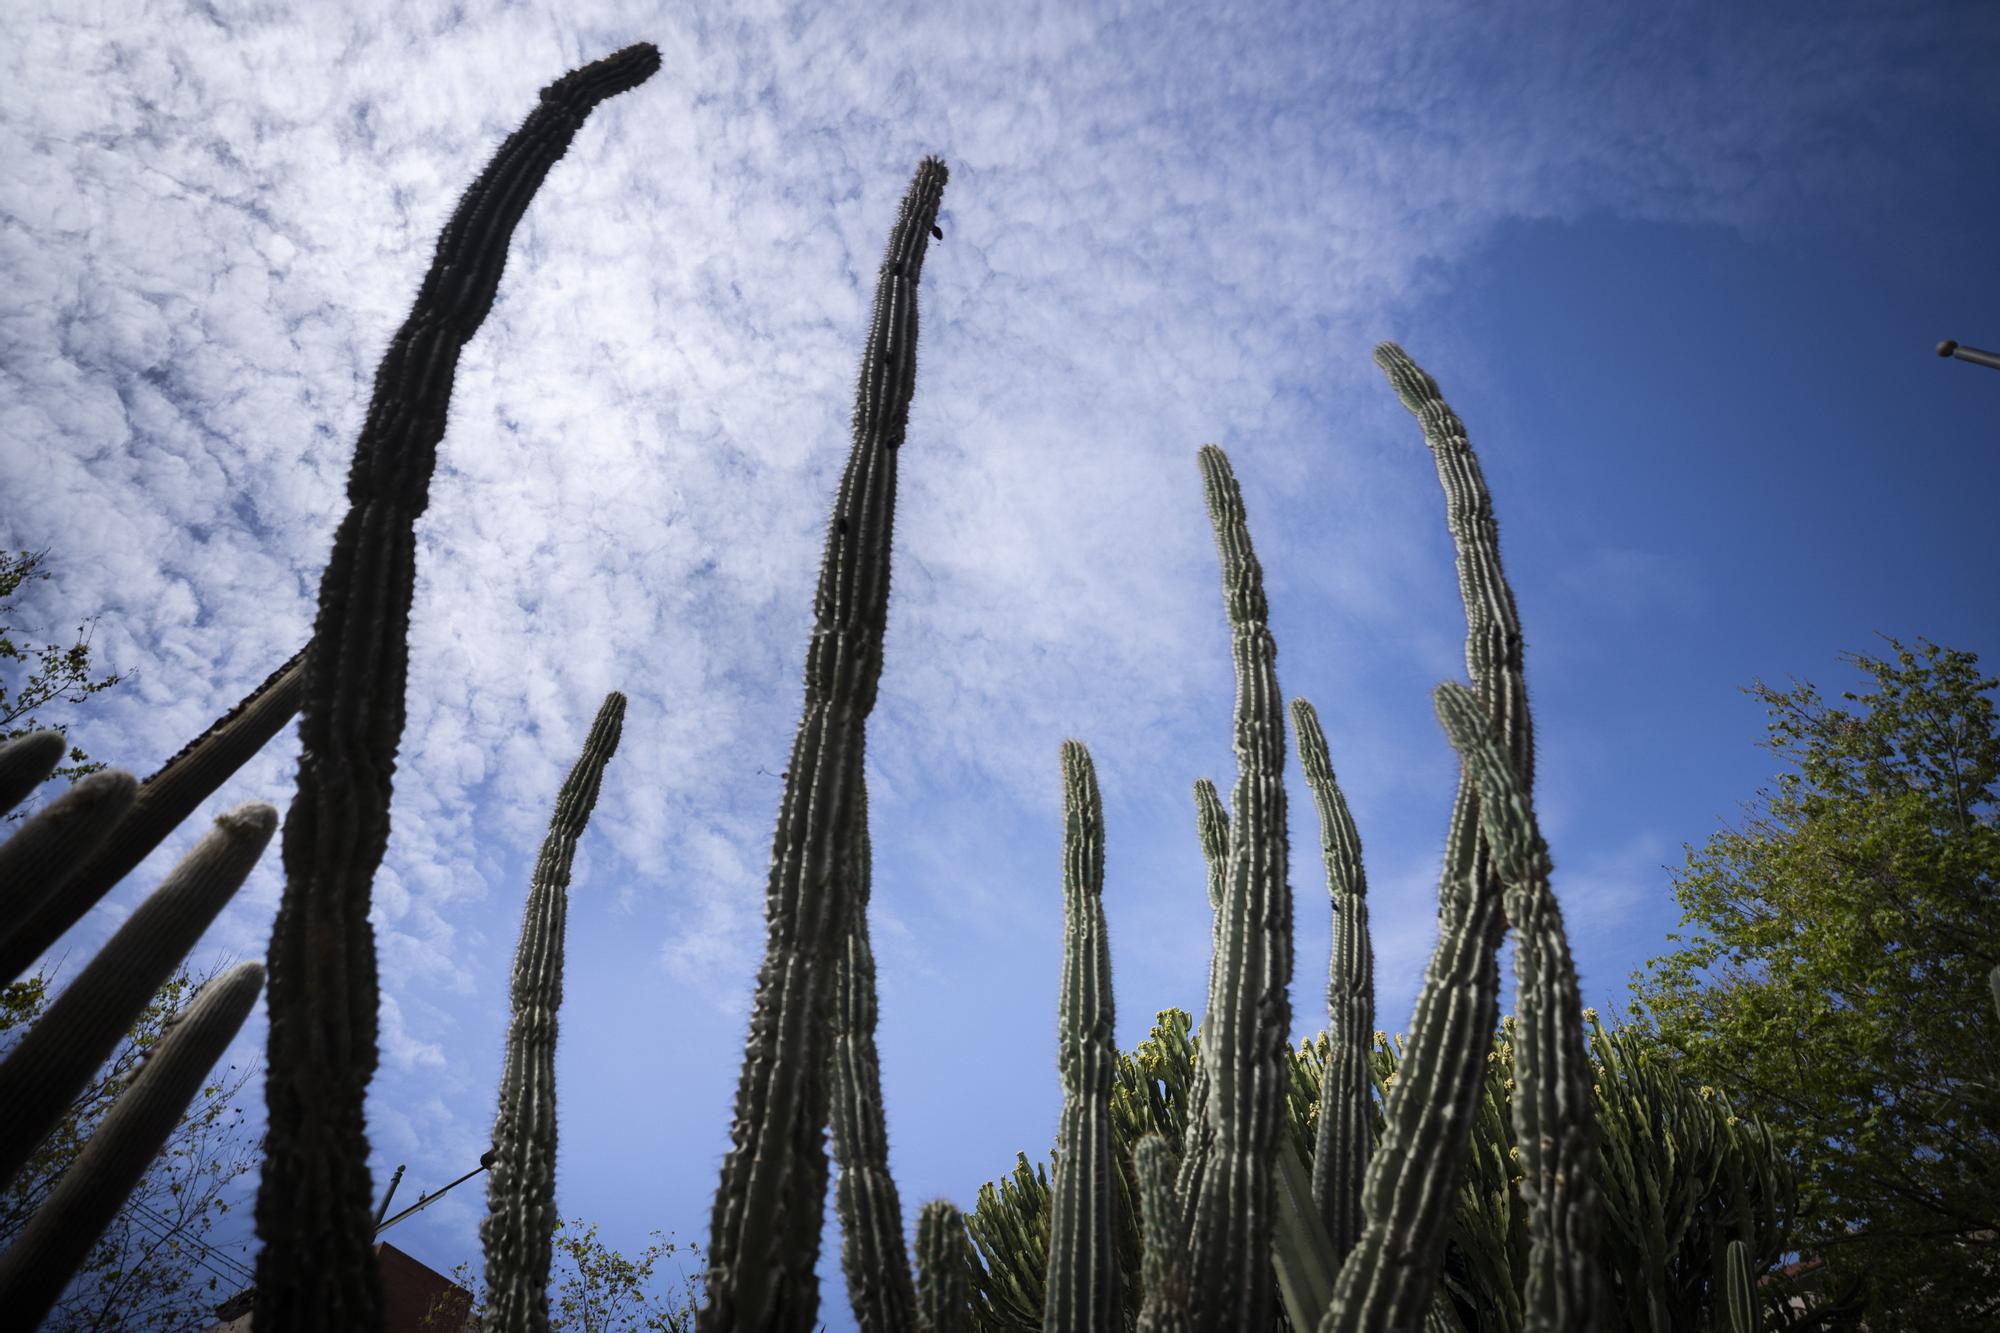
1972	354
426	1200
394	1181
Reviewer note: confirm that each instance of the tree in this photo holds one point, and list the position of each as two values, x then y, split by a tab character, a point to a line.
1837	971
595	1289
62	677
155	1266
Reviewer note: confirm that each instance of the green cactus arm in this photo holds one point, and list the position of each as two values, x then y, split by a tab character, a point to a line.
1010	1229
1247	1030
872	1252
57	1240
518	1231
1197	1138
44	848
162	802
1743	1316
54	1061
1302	1253
1553	1124
1346	1094
1082	1290
764	1233
1164	1308
316	1268
26	761
944	1296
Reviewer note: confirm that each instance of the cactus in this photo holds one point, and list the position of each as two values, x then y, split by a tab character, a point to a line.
35	861
80	1030
25	762
764	1237
519	1228
1743	1317
872	1254
58	1238
943	1295
162	802
1082	1291
1165	1307
1347	1110
316	1269
1228	1201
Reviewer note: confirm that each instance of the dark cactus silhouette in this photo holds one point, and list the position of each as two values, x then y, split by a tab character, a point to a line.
764	1240
25	762
316	1269
518	1232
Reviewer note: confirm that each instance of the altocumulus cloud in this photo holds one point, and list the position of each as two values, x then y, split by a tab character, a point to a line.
1161	229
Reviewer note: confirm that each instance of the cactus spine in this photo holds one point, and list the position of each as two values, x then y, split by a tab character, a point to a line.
764	1236
519	1228
56	1058
1247	1029
872	1253
58	1238
26	762
1082	1291
943	1266
1346	1093
316	1269
162	802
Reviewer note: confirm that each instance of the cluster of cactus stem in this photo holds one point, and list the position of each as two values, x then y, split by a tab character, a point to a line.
1226	1183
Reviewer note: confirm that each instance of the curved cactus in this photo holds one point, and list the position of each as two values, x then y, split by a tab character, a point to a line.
35	861
872	1253
162	802
1082	1290
944	1296
1346	1092
316	1269
80	1030
26	762
1229	1201
58	1238
1164	1309
1553	1124
519	1228
764	1237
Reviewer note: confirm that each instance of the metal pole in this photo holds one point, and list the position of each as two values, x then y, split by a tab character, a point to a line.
426	1200
394	1181
1972	354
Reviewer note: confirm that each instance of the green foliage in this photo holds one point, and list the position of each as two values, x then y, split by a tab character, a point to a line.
156	1266
1835	972
594	1288
61	676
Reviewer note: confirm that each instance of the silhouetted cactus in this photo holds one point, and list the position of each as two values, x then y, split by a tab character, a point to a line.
316	1268
1083	1264
764	1237
518	1231
58	1238
872	1253
1346	1095
944	1297
1228	1201
47	845
159	806
25	762
53	1062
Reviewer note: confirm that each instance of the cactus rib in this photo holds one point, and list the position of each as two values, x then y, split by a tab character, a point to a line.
55	1059
1082	1291
761	1260
162	802
316	1269
58	1238
1346	1133
1246	1031
872	1252
519	1228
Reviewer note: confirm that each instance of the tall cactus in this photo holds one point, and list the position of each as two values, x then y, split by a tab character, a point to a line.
872	1253
1083	1263
44	849
1247	1029
519	1228
55	1060
58	1238
316	1269
159	806
764	1235
1346	1093
26	762
943	1261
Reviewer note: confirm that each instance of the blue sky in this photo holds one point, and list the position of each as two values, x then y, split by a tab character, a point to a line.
1680	273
